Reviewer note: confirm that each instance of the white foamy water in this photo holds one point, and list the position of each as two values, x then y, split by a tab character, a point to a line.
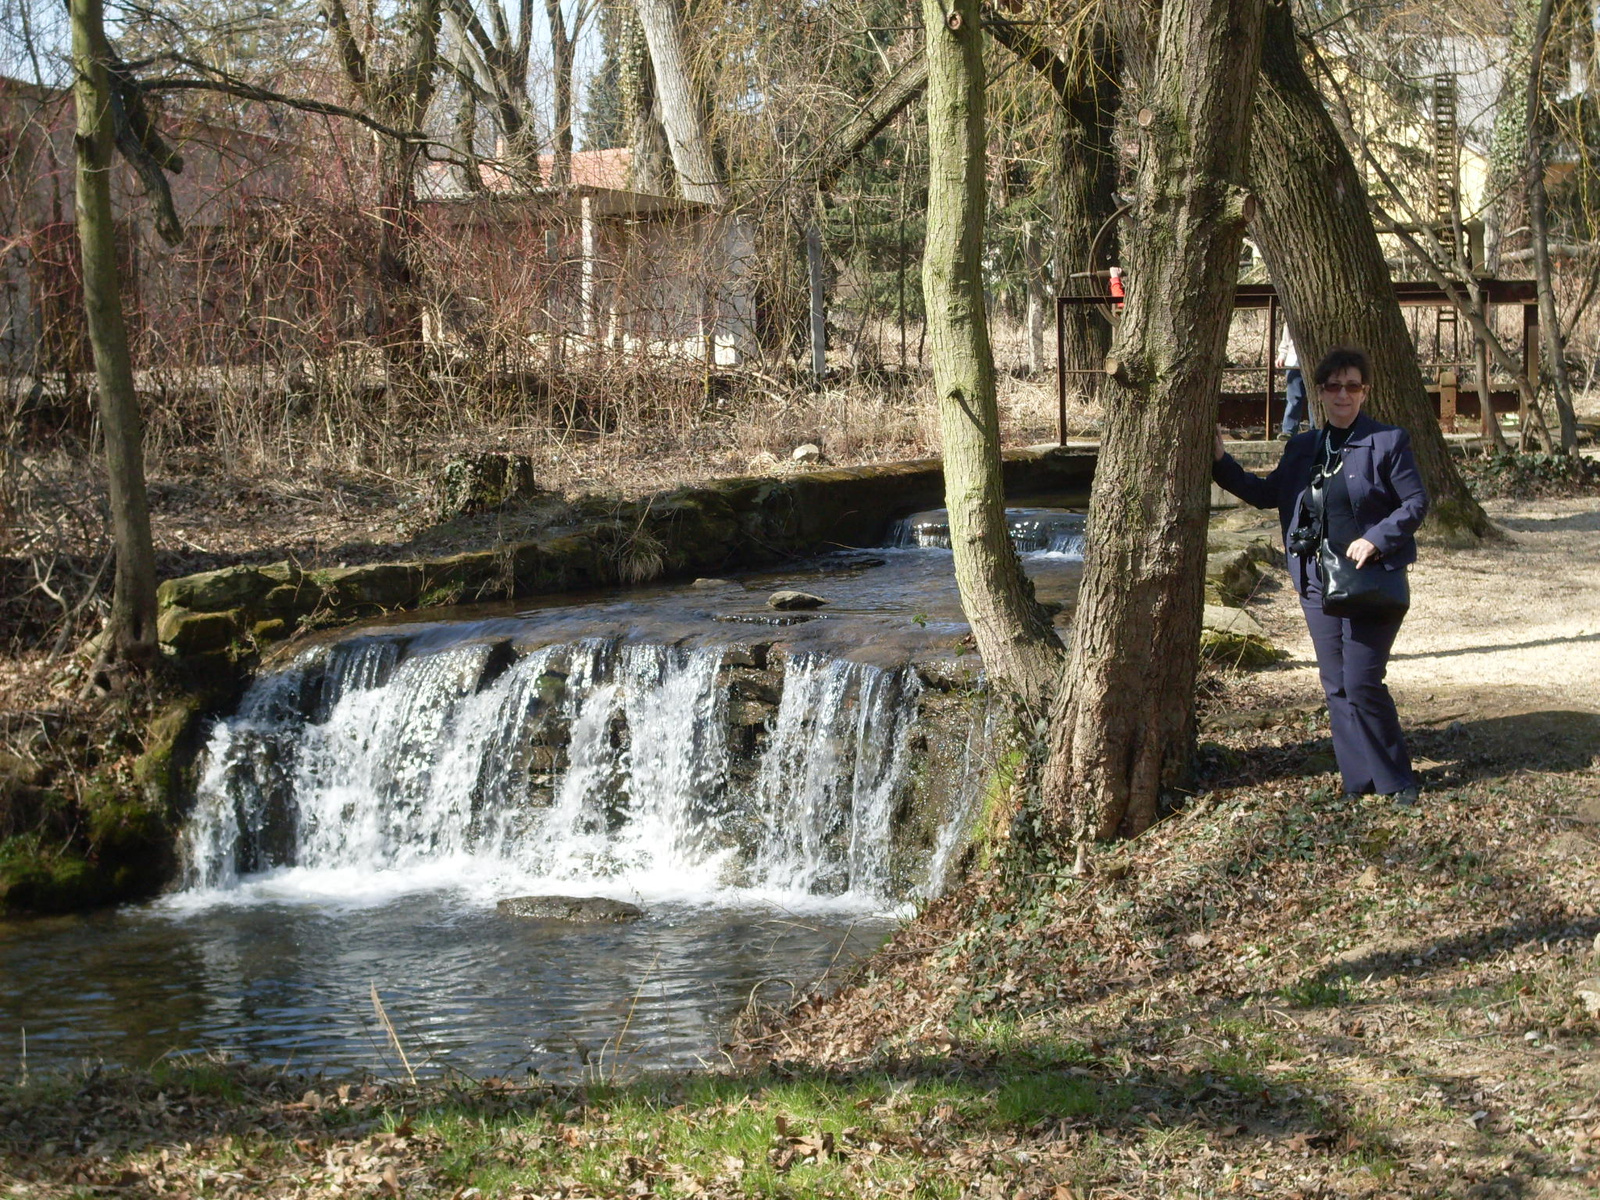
1035	532
360	773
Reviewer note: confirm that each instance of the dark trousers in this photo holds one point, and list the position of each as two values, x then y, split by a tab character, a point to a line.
1294	401
1352	657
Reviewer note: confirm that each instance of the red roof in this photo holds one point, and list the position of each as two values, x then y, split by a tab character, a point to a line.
590	168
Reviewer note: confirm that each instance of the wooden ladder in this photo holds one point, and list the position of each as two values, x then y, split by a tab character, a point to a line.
1446	199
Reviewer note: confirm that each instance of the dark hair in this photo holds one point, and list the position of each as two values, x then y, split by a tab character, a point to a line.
1338	359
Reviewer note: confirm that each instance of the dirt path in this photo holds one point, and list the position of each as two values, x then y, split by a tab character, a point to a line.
1511	626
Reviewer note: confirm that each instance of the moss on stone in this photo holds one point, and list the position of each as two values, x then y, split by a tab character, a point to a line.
383	585
170	744
184	632
38	877
1242	650
215	591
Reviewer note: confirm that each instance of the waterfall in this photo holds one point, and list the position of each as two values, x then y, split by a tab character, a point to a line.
600	764
827	784
1033	531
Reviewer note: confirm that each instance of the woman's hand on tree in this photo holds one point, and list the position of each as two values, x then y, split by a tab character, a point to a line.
1218	451
1361	552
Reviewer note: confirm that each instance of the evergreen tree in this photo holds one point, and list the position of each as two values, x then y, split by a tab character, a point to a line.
604	113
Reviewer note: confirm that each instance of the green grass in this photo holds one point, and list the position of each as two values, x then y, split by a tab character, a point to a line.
684	1134
1316	992
217	1080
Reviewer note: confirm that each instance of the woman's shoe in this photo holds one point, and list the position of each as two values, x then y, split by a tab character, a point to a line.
1404	798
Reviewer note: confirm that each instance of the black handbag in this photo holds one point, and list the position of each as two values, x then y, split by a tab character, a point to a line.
1372	592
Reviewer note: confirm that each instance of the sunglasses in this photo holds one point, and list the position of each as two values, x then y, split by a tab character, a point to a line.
1349	389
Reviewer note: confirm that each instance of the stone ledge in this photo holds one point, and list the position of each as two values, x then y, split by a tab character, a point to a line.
729	523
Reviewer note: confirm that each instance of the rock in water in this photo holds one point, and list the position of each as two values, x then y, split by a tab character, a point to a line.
787	601
594	910
481	482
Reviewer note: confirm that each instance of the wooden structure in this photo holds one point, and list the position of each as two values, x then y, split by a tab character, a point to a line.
1452	402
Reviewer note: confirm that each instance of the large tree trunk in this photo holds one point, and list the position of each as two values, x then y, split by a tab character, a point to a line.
1019	647
1123	727
131	631
682	111
1506	216
1316	235
650	164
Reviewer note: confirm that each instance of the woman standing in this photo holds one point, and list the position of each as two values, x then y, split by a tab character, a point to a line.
1372	502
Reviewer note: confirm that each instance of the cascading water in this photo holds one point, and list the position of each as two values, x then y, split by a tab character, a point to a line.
1033	531
767	792
598	764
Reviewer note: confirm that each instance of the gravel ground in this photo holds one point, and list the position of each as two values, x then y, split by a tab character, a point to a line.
1514	625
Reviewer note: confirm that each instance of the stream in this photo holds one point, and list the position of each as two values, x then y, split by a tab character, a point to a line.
772	789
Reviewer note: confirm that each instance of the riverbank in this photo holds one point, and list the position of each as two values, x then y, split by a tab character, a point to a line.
1279	996
1274	993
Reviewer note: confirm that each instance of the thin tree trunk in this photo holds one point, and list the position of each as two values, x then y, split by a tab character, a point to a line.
1555	357
399	95
682	111
1089	164
1019	647
467	127
561	53
856	133
1038	297
131	631
1123	727
1491	423
400	333
1089	95
1316	234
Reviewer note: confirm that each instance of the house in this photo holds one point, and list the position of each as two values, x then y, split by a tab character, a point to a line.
228	172
588	264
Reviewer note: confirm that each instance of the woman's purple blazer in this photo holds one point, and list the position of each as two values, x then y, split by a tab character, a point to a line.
1379	469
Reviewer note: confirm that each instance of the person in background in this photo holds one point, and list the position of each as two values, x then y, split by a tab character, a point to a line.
1374	503
1295	416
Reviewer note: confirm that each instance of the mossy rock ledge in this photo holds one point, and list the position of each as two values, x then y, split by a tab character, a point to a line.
218	621
116	840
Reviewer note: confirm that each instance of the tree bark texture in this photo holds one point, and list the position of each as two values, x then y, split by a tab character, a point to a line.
1506	218
650	165
563	45
1018	645
1315	231
681	107
1089	93
398	95
131	631
1554	354
1123	725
